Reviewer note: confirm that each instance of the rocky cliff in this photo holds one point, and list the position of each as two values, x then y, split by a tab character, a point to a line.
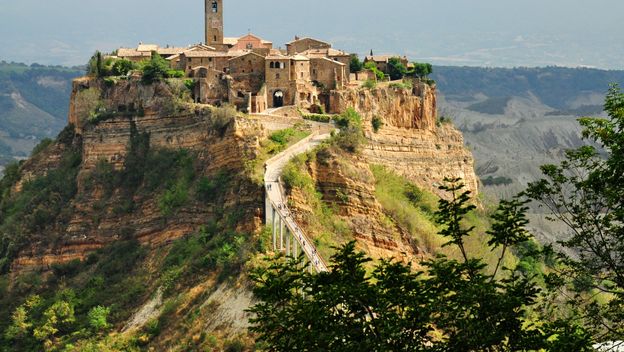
411	141
106	117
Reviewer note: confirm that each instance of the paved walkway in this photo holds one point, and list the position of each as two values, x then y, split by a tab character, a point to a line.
277	203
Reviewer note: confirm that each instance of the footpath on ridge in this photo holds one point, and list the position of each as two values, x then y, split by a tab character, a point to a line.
277	202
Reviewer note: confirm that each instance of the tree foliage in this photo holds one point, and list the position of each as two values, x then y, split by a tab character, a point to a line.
585	193
355	65
396	68
452	305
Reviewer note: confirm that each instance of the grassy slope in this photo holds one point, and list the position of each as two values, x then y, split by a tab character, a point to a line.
124	276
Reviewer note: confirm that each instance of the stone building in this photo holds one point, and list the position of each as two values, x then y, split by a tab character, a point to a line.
300	45
381	61
248	72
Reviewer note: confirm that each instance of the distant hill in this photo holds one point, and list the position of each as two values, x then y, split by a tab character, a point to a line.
557	87
515	120
34	102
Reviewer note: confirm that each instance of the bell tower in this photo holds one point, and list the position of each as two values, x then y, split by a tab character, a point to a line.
214	23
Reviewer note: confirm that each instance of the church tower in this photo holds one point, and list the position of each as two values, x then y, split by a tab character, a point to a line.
214	23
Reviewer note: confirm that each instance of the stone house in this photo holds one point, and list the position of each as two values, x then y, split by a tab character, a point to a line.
300	45
248	42
382	61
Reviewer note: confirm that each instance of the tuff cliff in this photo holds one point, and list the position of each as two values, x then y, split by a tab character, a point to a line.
408	142
106	117
149	204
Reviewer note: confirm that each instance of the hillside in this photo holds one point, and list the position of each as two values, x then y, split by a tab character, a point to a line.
34	102
532	112
136	228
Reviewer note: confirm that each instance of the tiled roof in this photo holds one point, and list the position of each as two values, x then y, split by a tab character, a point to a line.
206	53
307	38
147	47
126	52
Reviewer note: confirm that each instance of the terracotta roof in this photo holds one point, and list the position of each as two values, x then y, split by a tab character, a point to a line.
206	53
324	52
126	52
300	57
247	53
330	60
230	40
170	51
147	47
277	57
307	38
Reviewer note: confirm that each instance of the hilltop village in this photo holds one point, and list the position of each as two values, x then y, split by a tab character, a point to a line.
253	75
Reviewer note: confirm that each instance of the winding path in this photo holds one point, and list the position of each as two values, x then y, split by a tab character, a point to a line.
287	235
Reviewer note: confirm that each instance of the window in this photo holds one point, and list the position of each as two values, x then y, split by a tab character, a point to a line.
249	46
277	76
215	7
282	65
301	74
272	64
215	38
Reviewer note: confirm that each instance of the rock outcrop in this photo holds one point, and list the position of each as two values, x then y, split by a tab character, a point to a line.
411	140
106	116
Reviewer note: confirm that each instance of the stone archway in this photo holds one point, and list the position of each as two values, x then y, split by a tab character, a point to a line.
278	99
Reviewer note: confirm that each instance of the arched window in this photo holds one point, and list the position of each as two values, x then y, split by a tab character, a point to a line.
249	46
272	65
282	65
215	7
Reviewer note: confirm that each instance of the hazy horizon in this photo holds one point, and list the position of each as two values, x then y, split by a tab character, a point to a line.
459	32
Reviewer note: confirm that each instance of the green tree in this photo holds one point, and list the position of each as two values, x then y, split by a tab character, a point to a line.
355	65
156	69
585	193
98	318
123	67
396	68
450	306
422	70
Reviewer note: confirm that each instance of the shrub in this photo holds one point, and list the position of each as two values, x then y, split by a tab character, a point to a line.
222	117
369	84
44	144
377	123
351	135
98	318
210	189
123	67
175	74
190	84
156	69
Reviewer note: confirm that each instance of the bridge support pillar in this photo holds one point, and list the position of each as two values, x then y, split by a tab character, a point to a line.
274	229
288	235
281	234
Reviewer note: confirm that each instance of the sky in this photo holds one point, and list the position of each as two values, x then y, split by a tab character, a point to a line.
494	33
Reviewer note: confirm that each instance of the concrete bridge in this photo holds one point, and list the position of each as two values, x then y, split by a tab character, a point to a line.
287	236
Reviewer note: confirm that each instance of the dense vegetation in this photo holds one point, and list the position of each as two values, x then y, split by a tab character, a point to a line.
153	70
463	303
451	305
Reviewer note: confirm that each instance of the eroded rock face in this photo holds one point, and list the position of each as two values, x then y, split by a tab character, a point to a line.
218	145
411	141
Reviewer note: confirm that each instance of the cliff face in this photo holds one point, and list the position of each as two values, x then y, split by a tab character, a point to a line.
411	141
106	118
